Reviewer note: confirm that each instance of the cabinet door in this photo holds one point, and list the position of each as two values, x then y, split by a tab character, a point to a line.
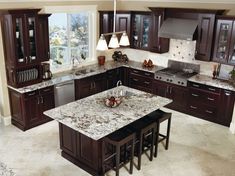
99	83
32	110
223	35
160	88
106	24
157	44
179	95
206	24
43	39
47	100
31	40
18	25
231	58
123	23
226	107
83	88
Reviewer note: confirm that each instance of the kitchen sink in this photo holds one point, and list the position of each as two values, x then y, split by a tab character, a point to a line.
83	72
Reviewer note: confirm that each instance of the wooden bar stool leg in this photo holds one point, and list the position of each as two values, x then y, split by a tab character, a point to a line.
132	155
168	133
140	151
152	144
157	139
117	159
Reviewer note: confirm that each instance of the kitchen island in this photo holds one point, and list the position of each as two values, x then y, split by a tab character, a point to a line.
84	123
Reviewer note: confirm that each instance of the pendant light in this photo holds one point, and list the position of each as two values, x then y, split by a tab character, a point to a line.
113	43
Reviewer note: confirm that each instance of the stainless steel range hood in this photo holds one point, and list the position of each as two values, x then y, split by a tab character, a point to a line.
178	28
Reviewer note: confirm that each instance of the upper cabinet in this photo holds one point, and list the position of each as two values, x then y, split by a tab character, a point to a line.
224	48
140	36
157	44
20	29
26	45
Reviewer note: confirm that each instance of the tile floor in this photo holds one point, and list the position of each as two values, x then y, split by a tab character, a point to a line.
197	148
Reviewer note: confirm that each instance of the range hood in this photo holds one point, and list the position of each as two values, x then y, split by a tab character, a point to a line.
177	28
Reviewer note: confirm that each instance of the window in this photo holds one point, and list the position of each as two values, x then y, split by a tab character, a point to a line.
70	38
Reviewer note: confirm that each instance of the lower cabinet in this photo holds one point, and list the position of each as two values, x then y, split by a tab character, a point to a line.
177	93
27	109
81	149
90	85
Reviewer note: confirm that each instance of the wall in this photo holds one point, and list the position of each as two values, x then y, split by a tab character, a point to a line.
102	5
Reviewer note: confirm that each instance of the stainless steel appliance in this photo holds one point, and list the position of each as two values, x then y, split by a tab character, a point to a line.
177	72
64	93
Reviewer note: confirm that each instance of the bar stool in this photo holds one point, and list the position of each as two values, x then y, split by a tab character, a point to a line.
122	140
160	116
144	130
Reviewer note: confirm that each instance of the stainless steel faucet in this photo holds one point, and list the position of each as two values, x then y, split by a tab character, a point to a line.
119	83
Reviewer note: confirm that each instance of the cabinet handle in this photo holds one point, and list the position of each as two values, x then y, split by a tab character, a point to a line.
195	95
46	90
193	107
147	74
94	85
135	71
136	79
195	85
146	82
48	54
26	59
211	89
42	99
210	112
140	44
31	94
211	99
91	86
38	100
227	93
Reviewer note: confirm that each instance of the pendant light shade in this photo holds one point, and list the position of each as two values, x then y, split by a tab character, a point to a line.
113	43
102	44
124	41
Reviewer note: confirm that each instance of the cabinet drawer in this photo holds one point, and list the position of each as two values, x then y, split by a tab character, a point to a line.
140	81
31	94
46	90
210	112
142	73
204	87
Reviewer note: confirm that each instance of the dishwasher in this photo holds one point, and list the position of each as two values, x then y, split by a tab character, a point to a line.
64	93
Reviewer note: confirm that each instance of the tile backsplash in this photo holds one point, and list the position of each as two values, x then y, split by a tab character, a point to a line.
182	50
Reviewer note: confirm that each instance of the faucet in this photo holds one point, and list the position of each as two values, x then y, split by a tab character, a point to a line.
73	59
119	83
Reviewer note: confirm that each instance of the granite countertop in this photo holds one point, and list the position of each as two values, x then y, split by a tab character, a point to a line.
207	80
70	75
91	117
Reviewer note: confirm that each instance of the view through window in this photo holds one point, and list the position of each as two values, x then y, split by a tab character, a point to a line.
69	38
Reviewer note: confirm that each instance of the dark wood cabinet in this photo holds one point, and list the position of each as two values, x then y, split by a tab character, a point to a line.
157	44
27	109
141	24
178	94
26	45
206	23
226	107
224	48
43	39
90	85
81	150
211	103
141	80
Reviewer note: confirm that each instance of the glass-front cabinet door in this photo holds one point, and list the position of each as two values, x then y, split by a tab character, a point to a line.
140	31
145	25
18	32
231	59
31	42
222	43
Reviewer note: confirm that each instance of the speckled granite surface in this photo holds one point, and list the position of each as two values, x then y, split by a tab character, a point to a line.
92	118
5	171
70	75
207	80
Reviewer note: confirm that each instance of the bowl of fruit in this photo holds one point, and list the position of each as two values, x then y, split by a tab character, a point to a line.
112	102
